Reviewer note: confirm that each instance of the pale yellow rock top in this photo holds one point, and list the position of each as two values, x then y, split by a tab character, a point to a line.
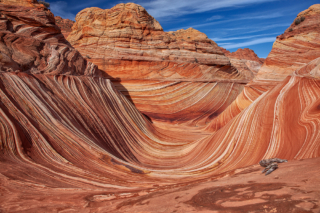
313	10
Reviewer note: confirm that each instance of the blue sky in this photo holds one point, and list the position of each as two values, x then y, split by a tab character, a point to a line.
232	24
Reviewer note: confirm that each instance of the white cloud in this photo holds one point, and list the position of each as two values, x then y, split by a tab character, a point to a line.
249	43
60	8
242	37
165	8
214	18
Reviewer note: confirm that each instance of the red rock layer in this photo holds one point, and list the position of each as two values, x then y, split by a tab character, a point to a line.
31	42
292	50
81	132
189	103
25	3
65	25
245	53
66	134
127	43
160	72
296	47
245	60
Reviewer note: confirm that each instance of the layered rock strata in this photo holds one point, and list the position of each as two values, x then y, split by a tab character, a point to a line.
245	59
65	25
296	47
32	43
176	77
68	141
127	43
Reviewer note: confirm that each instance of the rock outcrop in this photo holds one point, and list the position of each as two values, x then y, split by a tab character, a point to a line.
31	42
65	25
176	77
296	47
127	43
293	49
245	59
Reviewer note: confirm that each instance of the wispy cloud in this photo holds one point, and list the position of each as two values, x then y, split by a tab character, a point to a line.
217	17
242	37
235	19
165	8
249	43
60	8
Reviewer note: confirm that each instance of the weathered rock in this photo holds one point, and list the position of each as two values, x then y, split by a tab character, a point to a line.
296	47
31	42
245	60
241	54
127	43
65	25
75	143
169	76
292	50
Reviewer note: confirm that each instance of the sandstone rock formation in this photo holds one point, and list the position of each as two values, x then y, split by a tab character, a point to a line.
245	59
65	25
292	50
72	141
176	77
32	43
127	43
296	47
245	53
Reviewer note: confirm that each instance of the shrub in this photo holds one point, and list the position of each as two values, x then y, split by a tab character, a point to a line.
297	21
290	29
46	4
302	18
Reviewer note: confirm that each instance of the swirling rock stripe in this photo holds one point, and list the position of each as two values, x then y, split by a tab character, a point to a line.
81	132
195	103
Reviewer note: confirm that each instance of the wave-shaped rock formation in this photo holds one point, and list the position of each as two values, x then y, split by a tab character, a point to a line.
293	49
65	25
71	142
176	77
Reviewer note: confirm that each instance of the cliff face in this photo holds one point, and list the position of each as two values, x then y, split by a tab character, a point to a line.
127	43
32	43
297	46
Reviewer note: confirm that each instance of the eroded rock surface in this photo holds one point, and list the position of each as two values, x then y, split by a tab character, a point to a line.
65	25
296	47
32	43
127	43
75	143
245	60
